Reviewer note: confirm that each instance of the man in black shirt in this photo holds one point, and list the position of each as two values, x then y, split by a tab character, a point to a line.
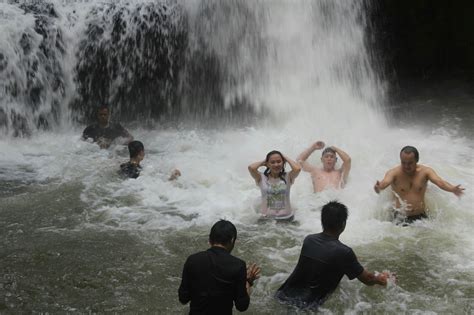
105	132
323	261
214	280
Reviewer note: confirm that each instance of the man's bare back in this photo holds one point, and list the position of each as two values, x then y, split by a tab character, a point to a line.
409	181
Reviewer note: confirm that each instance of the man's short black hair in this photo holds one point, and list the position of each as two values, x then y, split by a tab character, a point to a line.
222	232
328	149
409	149
334	216
135	147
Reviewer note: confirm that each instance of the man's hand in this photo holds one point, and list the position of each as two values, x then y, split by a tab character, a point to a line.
103	143
377	187
253	273
318	145
385	276
174	174
458	190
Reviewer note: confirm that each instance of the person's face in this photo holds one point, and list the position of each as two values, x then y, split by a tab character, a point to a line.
275	163
103	116
408	162
329	160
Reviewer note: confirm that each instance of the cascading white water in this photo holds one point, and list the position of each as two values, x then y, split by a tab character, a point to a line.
304	65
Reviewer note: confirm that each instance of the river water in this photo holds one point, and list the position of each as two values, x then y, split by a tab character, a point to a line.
77	238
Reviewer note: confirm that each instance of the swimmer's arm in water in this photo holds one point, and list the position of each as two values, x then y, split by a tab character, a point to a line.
295	168
371	278
318	145
346	163
253	170
385	182
444	185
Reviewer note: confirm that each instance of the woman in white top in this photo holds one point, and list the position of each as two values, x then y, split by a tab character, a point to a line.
275	184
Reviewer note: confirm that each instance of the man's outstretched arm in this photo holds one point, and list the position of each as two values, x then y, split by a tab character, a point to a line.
386	181
444	185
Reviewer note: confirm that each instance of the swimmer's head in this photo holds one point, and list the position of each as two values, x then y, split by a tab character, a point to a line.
223	233
103	115
334	216
136	150
329	159
408	158
275	163
410	150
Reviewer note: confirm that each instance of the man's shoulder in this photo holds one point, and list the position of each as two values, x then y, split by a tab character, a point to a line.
204	255
424	168
238	260
325	239
197	256
91	127
115	125
396	170
312	237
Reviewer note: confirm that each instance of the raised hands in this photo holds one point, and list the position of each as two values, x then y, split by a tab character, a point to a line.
318	145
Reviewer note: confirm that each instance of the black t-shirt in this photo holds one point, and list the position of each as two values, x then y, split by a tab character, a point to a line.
213	281
322	264
130	170
109	133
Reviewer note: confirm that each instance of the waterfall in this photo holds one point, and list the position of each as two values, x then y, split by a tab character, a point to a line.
305	62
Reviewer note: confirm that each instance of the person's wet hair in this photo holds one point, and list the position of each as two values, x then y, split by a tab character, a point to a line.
135	147
222	232
334	216
103	106
409	149
267	170
328	149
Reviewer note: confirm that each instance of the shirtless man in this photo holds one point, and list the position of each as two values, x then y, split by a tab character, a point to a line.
327	176
409	181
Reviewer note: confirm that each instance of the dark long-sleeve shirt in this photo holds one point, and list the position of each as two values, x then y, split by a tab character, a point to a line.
214	281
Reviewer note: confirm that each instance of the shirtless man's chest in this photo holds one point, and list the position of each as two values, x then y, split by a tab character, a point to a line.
323	180
411	189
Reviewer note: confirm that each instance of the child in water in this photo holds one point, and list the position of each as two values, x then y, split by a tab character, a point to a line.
275	185
132	168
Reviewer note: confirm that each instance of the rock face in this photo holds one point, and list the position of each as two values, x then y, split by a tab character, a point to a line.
423	39
131	58
165	60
